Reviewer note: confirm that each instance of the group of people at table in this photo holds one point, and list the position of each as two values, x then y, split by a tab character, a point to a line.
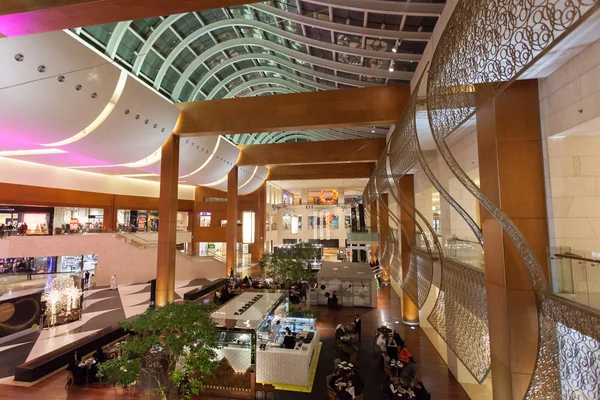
400	367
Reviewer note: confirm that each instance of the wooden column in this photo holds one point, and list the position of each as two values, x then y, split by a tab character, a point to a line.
512	176
167	227
232	217
109	219
258	248
384	229
410	312
192	250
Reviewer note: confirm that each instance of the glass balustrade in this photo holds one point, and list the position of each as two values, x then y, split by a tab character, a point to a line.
575	275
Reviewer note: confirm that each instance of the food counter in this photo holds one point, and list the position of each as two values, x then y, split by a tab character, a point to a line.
251	335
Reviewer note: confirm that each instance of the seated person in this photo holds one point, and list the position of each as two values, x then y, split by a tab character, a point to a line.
409	370
359	384
398	339
339	331
420	392
99	355
336	376
392	349
380	342
404	355
350	389
390	388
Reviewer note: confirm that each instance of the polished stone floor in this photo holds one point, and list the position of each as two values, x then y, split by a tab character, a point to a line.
433	371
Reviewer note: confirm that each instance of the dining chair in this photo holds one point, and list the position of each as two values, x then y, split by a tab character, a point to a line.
267	388
332	394
258	387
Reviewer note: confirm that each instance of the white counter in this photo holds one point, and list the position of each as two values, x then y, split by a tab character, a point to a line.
287	367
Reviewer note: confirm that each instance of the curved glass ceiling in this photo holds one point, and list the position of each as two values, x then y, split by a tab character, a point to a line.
281	46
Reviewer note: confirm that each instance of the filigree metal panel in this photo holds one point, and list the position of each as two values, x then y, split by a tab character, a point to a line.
396	265
410	286
418	279
493	42
460	316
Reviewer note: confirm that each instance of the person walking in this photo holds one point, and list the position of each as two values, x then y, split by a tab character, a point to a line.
113	282
358	326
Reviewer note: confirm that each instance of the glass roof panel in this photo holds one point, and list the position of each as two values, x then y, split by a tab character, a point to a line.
346	50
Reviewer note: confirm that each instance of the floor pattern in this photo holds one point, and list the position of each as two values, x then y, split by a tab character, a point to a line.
102	307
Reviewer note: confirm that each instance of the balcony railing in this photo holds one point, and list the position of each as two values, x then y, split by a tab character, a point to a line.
575	274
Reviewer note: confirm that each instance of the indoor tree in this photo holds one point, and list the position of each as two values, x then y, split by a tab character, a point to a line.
284	270
173	347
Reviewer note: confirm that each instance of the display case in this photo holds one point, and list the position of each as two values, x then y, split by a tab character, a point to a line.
251	331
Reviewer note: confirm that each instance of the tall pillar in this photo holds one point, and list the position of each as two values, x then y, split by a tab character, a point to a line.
232	217
109	218
192	250
512	176
260	223
410	312
167	228
384	229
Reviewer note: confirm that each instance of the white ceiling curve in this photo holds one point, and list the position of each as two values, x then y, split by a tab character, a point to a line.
61	97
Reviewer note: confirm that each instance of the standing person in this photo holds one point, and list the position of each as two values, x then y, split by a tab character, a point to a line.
28	269
87	277
113	282
231	272
2	228
358	326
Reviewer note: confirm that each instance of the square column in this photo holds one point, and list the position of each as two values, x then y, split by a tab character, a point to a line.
167	227
232	218
258	247
410	311
512	176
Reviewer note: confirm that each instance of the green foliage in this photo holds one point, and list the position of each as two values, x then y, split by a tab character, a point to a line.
172	345
297	312
304	251
284	270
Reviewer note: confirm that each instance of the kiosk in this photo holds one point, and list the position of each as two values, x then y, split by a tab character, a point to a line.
251	333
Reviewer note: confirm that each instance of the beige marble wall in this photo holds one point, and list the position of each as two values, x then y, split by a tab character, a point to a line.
570	113
574	164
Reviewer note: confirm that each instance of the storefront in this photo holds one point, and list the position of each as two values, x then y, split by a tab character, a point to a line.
78	220
251	333
37	220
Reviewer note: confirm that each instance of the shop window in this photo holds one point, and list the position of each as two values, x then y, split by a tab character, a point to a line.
205	219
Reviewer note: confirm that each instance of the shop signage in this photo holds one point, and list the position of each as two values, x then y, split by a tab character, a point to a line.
8	209
211	245
74	224
204	214
141	224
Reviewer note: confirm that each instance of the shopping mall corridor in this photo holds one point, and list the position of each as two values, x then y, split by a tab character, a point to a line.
433	371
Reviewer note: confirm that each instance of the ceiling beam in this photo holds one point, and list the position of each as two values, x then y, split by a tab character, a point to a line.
358	107
26	17
320	171
324	152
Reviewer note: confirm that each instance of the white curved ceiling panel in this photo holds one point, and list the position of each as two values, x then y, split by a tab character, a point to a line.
255	182
42	100
250	178
194	155
140	123
219	165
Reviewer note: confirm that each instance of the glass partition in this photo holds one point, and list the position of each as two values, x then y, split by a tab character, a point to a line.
575	274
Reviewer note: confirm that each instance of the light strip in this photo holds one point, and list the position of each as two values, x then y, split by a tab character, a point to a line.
248	181
138	175
33	152
151	159
223	179
100	118
207	160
